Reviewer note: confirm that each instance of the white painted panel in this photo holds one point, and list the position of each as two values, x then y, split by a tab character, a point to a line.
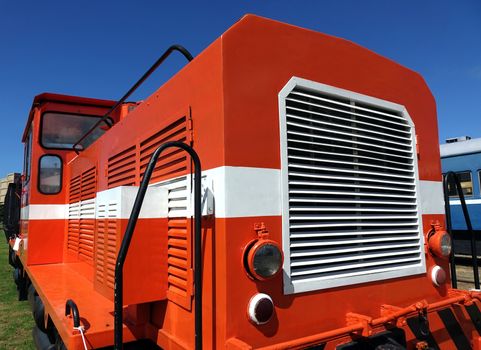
432	197
45	211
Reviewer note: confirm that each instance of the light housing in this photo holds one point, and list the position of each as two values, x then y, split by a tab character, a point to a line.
260	309
263	259
440	244
438	275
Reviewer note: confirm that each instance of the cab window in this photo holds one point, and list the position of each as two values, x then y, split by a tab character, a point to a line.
62	130
50	174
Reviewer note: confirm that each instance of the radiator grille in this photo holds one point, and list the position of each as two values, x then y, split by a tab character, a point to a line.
81	221
349	183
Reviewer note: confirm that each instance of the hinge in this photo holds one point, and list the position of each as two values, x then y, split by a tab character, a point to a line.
190	127
417	145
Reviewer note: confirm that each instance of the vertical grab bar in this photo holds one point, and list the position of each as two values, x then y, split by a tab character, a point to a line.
451	177
124	247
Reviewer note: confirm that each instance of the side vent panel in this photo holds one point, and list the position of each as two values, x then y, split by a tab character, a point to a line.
106	252
172	162
124	170
121	168
81	222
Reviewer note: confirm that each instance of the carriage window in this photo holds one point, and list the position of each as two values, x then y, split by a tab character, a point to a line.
466	184
50	174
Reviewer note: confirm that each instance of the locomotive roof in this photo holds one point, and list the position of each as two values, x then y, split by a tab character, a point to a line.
460	148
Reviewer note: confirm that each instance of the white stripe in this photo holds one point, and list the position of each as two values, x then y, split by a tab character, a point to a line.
245	192
229	192
121	200
44	212
432	197
468	201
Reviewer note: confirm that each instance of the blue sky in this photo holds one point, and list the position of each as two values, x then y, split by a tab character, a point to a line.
99	48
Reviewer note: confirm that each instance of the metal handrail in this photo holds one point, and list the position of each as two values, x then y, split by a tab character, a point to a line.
161	59
124	247
452	177
70	306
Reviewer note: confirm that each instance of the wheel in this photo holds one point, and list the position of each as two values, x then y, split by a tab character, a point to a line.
31	296
41	340
12	257
16	276
39	314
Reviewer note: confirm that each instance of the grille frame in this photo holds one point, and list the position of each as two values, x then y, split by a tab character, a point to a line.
292	286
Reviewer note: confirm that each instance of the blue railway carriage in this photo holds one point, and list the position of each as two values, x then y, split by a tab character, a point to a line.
463	156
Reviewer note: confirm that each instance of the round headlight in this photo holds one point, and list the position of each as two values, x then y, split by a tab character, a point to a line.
440	244
264	259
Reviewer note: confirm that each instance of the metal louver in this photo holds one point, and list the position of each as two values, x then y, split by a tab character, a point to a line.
349	188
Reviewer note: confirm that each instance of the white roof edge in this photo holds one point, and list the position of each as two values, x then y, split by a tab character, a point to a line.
460	148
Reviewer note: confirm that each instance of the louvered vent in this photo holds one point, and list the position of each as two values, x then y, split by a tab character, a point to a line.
106	243
174	165
172	162
121	168
350	206
179	272
81	223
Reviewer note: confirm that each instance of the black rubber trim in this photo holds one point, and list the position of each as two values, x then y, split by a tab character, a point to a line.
475	316
454	329
415	324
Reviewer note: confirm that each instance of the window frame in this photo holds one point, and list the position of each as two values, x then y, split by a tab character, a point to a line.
39	174
479	182
27	161
66	113
472	184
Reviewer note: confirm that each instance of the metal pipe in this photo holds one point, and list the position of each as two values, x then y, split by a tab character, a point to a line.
161	59
124	247
447	210
450	175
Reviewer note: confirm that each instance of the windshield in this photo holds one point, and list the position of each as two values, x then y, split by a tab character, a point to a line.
62	131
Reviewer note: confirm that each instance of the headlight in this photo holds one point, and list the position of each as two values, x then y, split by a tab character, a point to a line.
440	244
263	259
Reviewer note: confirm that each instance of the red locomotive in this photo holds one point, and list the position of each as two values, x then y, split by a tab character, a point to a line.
318	197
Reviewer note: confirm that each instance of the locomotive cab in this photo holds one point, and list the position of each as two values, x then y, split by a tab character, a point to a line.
55	123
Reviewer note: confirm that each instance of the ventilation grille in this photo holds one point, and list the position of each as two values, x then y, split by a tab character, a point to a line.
106	243
351	186
121	168
172	162
81	221
170	171
179	242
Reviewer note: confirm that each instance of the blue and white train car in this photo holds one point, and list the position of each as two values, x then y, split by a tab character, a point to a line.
463	156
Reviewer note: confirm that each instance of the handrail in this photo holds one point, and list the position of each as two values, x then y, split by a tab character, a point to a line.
71	306
161	59
124	247
451	177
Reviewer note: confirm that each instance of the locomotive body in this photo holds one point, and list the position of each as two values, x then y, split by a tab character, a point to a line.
309	143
